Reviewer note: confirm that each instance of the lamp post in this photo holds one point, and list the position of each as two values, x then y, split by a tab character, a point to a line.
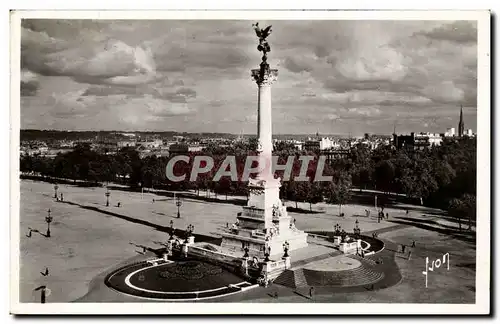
337	229
55	190
48	219
190	230
107	197
178	203
44	292
343	235
286	247
267	253
171	229
357	231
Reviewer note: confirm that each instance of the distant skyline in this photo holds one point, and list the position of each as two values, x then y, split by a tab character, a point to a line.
335	77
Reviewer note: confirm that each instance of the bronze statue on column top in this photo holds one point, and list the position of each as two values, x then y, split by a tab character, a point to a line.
263	44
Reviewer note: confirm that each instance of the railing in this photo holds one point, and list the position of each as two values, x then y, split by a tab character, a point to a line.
258	234
277	264
216	255
252	212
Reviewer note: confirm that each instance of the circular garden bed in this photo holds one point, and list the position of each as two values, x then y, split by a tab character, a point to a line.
180	280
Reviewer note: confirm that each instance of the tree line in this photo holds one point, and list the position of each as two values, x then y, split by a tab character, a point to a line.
440	176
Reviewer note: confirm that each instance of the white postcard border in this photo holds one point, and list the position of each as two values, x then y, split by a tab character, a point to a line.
483	174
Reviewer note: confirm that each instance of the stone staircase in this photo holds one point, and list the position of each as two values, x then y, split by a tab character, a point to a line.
320	257
366	259
362	275
300	278
286	278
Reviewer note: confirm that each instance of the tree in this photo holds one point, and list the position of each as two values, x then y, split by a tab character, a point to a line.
283	146
463	208
339	191
384	175
253	143
314	194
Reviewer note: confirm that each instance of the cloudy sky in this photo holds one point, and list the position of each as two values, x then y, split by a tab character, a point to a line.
335	77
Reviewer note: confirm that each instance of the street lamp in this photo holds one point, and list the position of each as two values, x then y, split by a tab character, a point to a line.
190	230
55	190
337	229
286	247
357	230
107	197
48	219
178	203
267	253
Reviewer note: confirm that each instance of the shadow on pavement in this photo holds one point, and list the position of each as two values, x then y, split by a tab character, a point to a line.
161	228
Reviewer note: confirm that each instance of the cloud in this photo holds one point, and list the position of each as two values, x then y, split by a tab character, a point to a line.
178	58
191	75
383	64
458	31
108	90
445	92
296	65
181	95
332	116
104	62
68	105
364	111
29	83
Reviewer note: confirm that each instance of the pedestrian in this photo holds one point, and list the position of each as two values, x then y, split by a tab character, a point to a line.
413	244
62	197
387	215
403	247
311	290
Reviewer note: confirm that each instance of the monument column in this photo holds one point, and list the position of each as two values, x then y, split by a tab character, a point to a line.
265	77
264	225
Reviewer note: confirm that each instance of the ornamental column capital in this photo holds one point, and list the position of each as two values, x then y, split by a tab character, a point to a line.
264	76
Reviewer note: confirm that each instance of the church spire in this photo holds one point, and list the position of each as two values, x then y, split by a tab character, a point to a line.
461	123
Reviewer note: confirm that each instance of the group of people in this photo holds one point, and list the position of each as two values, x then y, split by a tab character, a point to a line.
382	216
403	249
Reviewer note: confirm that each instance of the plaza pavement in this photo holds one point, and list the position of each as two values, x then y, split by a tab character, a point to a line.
86	243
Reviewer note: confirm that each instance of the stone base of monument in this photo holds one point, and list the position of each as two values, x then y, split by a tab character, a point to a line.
349	247
257	242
